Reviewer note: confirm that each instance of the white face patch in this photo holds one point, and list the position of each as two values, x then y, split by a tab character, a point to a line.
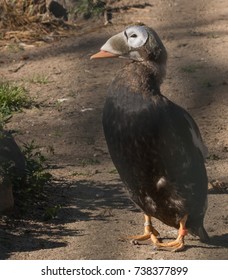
126	43
136	36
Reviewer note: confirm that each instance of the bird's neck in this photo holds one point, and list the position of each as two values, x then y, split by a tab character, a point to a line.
142	77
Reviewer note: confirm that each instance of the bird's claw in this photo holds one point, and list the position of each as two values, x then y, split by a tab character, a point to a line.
174	246
134	242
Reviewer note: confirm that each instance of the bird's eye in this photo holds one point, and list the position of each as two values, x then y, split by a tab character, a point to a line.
136	36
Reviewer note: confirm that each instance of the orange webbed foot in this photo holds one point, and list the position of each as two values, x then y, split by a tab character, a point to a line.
178	244
148	230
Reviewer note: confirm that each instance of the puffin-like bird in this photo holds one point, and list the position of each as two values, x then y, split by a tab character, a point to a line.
155	144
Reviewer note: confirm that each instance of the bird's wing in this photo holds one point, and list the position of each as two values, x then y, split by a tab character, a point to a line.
196	136
182	126
181	148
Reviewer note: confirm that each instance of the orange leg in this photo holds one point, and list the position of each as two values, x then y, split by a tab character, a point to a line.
178	244
148	230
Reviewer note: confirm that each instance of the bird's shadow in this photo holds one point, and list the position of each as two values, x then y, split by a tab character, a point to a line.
219	241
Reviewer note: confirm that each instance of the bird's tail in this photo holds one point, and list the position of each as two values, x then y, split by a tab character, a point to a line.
201	232
195	227
204	237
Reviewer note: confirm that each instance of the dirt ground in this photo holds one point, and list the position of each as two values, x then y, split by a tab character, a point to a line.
94	210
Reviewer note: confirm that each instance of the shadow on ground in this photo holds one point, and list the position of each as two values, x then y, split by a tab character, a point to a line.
77	201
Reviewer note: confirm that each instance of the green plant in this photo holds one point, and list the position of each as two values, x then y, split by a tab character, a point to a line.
35	173
89	8
29	186
35	167
39	79
12	98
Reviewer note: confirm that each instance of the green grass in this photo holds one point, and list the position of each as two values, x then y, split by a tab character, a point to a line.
35	165
12	98
89	8
29	189
29	186
39	79
36	175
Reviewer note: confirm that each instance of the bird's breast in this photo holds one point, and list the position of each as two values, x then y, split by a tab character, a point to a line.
131	134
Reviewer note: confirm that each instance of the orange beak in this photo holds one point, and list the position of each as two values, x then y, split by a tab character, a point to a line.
103	54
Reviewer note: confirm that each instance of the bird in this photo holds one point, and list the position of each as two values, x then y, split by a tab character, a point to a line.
155	144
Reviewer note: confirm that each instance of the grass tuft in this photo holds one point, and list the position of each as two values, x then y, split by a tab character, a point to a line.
39	79
89	8
12	98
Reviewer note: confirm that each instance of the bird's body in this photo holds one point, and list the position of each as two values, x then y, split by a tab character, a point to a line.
155	145
151	145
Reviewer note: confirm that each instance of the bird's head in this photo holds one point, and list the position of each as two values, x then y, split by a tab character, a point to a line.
137	42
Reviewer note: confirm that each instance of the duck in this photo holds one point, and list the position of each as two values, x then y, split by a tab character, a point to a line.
155	144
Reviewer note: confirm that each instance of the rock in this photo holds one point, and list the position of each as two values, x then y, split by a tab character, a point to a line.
11	155
12	164
6	194
58	9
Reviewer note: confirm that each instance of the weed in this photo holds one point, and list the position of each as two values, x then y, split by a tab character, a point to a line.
36	175
30	187
89	8
12	98
39	79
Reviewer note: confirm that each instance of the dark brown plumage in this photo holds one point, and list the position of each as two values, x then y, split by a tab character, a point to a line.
155	144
